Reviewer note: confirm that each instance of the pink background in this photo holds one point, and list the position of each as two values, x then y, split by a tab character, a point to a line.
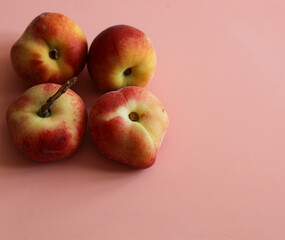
220	173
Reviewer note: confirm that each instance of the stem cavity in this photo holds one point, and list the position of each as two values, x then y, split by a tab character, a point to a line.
54	54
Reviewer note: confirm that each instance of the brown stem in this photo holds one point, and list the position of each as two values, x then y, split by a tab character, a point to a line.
45	109
134	116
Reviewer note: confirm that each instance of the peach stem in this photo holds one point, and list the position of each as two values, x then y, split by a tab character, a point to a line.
45	109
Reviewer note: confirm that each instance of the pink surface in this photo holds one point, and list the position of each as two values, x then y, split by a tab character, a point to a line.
220	171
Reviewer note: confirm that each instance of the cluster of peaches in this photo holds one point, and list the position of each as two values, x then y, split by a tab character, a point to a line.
48	121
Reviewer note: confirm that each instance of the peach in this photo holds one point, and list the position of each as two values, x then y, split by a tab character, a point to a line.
52	49
128	126
52	137
121	56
